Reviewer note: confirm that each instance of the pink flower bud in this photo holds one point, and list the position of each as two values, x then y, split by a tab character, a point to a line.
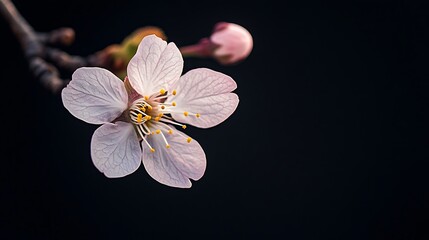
229	43
234	42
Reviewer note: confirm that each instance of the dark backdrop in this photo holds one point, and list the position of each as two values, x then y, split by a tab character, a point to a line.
330	139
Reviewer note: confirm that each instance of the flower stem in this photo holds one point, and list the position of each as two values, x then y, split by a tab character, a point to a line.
191	50
203	48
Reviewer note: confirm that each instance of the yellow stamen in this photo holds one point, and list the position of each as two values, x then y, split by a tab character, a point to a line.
186	114
170	131
174	92
158	131
160	114
143	109
162	91
147	143
162	107
149	107
139	118
189	139
157	119
147	117
184	126
167	146
146	98
197	115
174	104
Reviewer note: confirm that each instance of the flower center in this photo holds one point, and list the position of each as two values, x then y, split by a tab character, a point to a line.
151	115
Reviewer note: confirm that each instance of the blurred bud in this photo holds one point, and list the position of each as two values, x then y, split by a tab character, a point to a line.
229	43
116	56
130	43
61	36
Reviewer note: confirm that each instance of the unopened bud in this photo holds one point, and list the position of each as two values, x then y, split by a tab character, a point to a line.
229	43
234	42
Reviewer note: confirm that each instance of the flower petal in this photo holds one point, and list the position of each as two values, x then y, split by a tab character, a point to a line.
207	93
115	149
173	166
156	65
95	95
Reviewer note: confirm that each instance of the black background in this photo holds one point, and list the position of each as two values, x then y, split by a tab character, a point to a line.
330	139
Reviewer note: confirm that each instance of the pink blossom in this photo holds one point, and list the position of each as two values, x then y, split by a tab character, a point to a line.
138	116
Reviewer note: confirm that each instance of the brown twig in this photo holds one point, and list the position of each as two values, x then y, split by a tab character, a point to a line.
37	52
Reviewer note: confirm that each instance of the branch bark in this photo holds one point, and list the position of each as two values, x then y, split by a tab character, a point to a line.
38	53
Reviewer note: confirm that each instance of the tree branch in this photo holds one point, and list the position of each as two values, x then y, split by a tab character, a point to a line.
37	53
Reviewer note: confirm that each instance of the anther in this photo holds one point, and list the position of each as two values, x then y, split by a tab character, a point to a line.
162	91
170	131
184	126
152	149
174	104
189	139
167	146
158	131
146	98
147	117
139	118
174	92
186	114
197	115
162	107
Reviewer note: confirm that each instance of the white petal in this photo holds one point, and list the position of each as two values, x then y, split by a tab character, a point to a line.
156	65
115	149
175	165
207	93
95	95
